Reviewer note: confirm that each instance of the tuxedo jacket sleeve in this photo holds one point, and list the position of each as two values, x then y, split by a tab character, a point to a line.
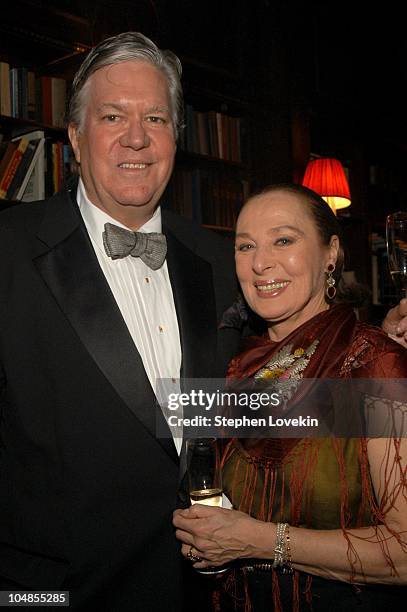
87	489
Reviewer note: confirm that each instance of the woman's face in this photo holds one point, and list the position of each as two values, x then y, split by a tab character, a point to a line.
280	261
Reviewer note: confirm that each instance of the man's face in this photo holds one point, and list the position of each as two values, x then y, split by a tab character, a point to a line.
126	143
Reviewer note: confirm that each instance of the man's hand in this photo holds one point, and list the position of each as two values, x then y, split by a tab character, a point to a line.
395	323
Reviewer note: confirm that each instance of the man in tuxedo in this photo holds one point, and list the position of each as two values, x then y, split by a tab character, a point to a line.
92	314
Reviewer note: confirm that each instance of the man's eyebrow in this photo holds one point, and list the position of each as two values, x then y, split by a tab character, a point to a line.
110	105
158	109
118	106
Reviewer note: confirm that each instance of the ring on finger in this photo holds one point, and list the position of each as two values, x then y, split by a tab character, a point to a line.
192	557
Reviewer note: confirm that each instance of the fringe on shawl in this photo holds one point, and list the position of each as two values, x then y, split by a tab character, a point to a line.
292	490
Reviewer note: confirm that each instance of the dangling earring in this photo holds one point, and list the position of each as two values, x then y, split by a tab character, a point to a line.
330	289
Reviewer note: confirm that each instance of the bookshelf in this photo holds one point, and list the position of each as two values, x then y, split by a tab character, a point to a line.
212	175
40	48
207	189
43	168
32	105
245	73
237	136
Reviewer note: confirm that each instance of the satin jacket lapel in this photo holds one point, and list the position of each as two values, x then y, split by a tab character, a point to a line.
192	285
71	271
193	290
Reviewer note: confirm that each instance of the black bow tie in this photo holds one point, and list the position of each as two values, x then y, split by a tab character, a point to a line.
120	242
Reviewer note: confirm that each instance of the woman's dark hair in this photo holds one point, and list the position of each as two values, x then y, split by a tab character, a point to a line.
327	225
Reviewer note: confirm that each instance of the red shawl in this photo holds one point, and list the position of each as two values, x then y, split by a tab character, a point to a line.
338	347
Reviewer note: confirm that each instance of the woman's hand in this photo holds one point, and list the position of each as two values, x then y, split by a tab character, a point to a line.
395	323
219	536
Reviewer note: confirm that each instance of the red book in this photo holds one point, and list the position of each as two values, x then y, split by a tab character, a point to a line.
12	166
21	170
11	147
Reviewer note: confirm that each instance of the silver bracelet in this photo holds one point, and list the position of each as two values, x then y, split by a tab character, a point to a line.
280	547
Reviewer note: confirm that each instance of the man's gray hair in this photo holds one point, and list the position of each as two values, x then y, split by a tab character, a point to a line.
125	47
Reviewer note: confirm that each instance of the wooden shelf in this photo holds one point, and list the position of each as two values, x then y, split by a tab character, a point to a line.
194	158
16	126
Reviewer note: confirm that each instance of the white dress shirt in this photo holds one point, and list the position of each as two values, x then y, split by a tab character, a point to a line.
146	301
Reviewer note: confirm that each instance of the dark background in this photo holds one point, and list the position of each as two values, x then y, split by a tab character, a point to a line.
341	66
308	77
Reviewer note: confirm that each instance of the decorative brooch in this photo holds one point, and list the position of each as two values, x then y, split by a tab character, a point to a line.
285	369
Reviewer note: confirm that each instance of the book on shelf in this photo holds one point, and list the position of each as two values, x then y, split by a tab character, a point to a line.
58	101
20	172
45	94
206	196
8	150
220	135
203	133
58	166
25	95
213	134
31	95
5	99
35	186
12	166
50	93
235	145
34	150
22	83
24	92
14	92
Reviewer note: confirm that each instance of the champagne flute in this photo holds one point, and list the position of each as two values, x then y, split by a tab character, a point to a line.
205	479
396	234
204	472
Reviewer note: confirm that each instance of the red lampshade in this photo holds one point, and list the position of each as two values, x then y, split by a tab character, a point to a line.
326	176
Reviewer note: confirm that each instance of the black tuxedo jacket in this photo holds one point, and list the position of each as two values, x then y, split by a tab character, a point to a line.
87	490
